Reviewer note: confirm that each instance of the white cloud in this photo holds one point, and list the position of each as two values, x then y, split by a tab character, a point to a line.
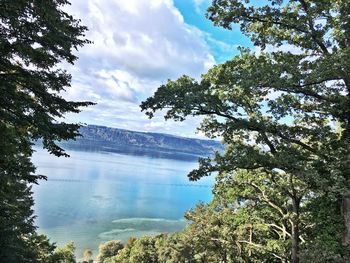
138	45
146	37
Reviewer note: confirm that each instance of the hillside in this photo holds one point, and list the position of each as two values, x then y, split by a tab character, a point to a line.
142	143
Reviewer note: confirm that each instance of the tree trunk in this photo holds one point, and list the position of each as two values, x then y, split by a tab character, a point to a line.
346	214
250	239
346	197
346	201
295	231
295	243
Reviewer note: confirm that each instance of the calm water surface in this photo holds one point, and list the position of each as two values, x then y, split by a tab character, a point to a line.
93	197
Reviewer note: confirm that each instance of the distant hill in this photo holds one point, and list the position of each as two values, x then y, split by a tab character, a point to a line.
161	145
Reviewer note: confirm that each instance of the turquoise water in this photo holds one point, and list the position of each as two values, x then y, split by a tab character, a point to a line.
93	197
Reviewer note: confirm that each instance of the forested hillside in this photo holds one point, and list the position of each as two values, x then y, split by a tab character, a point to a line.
162	145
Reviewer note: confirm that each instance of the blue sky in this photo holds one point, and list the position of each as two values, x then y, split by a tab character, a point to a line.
138	45
223	43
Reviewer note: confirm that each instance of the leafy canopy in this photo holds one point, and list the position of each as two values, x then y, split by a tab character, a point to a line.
284	109
35	38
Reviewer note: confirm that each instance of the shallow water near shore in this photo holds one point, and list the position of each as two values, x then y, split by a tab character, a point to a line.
93	197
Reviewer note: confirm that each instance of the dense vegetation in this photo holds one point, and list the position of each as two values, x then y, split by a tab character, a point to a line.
142	143
282	193
35	36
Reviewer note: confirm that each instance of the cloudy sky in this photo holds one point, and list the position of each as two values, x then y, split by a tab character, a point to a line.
137	46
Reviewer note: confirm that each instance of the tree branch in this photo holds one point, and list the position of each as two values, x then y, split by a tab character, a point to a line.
311	27
260	130
263	248
267	200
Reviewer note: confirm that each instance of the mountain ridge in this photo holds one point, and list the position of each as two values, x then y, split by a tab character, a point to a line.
103	138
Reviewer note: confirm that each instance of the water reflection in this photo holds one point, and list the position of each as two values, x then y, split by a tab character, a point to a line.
93	197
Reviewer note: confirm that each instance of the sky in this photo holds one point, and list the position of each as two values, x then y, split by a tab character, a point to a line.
137	46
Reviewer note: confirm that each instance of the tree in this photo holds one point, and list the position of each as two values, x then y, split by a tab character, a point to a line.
175	248
209	236
260	207
124	254
142	250
87	255
35	36
108	250
64	255
249	220
278	110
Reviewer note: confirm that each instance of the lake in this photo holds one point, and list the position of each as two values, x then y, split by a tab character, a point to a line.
93	197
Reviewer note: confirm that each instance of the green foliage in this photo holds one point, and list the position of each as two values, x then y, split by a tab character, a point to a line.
162	248
123	254
144	251
64	255
40	249
108	250
34	37
177	247
285	119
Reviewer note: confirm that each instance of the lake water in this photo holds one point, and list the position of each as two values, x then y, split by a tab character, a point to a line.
93	197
